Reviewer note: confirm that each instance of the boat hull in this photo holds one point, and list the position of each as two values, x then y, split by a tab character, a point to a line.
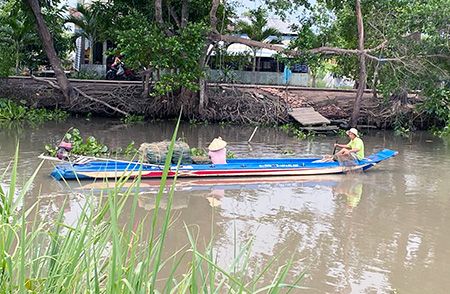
234	168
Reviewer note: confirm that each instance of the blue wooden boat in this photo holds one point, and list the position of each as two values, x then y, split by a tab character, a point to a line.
106	168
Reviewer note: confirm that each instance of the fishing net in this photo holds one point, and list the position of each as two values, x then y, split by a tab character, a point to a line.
348	163
156	153
181	150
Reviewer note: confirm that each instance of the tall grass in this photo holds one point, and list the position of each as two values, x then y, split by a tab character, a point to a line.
97	255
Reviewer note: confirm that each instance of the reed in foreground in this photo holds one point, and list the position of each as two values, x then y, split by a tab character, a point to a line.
97	255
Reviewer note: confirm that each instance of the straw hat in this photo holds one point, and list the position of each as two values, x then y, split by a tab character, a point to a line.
217	144
353	131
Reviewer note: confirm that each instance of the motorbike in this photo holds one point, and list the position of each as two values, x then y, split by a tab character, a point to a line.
120	72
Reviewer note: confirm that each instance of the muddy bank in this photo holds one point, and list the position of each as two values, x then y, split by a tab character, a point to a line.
226	103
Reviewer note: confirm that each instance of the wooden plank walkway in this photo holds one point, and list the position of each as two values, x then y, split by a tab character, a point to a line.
312	121
307	116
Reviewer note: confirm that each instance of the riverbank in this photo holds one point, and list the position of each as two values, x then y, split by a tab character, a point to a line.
226	102
337	105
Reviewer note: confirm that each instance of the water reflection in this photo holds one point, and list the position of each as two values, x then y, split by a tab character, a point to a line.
351	187
213	190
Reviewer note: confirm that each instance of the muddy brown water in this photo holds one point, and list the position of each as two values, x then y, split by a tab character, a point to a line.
383	231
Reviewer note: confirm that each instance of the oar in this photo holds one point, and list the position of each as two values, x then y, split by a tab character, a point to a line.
334	150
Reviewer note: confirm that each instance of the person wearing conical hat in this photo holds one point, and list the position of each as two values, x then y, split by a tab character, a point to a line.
355	148
217	151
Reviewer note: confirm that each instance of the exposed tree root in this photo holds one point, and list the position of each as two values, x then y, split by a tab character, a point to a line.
80	92
234	105
225	103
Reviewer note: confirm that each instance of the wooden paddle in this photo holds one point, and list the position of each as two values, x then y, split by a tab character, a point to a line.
334	150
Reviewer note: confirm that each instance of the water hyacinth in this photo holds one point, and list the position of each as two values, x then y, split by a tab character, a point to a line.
96	255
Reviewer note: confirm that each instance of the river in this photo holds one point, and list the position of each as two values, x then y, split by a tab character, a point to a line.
382	231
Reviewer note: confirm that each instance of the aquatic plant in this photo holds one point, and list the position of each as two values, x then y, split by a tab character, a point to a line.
89	146
10	111
198	152
130	119
402	125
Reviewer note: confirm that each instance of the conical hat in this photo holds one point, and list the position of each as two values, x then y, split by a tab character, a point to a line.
217	144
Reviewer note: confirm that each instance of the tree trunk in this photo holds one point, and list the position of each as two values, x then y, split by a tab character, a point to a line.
47	42
362	67
91	52
313	78
374	82
146	85
203	97
254	67
82	52
17	59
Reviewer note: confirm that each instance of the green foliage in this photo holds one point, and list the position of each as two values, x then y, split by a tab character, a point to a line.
291	128
89	146
195	122
443	133
288	128
92	146
286	152
258	30
227	75
436	104
342	133
6	62
20	45
175	59
227	62
130	150
198	152
88	75
16	31
10	111
414	34
301	135
129	119
402	125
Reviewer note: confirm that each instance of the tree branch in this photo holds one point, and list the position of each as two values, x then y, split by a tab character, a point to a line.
385	59
174	15
213	17
159	19
184	13
333	50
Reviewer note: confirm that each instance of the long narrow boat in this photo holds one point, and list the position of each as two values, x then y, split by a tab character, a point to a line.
103	168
